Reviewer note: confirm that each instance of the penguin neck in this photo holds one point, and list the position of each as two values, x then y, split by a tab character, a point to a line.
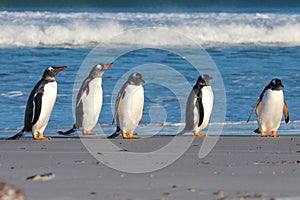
96	74
48	79
133	83
198	87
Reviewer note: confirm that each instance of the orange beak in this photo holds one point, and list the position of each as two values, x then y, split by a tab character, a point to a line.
142	81
60	68
108	65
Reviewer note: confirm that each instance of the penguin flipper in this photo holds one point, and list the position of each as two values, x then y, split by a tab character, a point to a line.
181	132
200	108
80	97
254	108
37	107
84	91
72	130
115	134
119	101
17	136
257	106
286	113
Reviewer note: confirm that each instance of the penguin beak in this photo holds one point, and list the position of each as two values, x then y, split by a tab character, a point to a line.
281	86
108	65
142	81
59	68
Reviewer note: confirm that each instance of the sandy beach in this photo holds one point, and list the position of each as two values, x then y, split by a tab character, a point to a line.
236	168
242	45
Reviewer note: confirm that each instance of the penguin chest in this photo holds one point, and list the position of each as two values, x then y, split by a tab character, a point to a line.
48	101
92	104
270	113
131	107
207	105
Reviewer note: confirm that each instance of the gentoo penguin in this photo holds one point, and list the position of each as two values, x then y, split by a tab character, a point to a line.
129	106
40	104
89	101
269	108
199	106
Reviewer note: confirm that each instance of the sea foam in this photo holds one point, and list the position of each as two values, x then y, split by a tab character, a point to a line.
32	29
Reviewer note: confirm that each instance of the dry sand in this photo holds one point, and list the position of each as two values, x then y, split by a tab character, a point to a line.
236	168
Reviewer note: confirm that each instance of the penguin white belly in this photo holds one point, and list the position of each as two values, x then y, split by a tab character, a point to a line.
92	104
131	110
270	113
207	103
48	101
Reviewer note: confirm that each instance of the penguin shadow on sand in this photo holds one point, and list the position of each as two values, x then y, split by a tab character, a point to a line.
129	107
199	107
269	108
89	101
40	104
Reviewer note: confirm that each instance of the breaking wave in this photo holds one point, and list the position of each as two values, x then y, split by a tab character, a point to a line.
83	29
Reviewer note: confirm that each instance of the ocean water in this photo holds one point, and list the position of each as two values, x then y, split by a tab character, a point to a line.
250	44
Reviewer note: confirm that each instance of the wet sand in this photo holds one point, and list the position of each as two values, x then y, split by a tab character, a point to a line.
236	168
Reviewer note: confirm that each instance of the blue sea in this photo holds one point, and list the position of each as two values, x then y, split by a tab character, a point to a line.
243	45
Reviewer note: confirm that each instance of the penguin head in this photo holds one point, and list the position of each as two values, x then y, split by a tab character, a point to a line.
51	72
135	79
203	81
207	78
99	69
276	84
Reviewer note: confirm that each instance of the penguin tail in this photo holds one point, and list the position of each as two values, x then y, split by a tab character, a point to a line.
17	136
115	134
182	132
72	130
257	130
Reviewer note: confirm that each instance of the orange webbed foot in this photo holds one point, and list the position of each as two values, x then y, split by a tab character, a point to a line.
88	132
130	136
41	137
199	134
274	134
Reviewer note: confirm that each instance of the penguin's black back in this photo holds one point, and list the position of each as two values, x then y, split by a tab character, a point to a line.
198	92
34	105
79	105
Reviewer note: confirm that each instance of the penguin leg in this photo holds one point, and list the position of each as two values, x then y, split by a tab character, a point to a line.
129	135
88	132
274	134
124	135
198	134
132	136
263	134
41	137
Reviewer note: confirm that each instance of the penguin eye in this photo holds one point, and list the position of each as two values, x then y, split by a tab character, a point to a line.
99	67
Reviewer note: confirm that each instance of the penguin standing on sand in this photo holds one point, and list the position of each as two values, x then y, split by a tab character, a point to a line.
199	106
89	101
129	106
269	108
40	104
